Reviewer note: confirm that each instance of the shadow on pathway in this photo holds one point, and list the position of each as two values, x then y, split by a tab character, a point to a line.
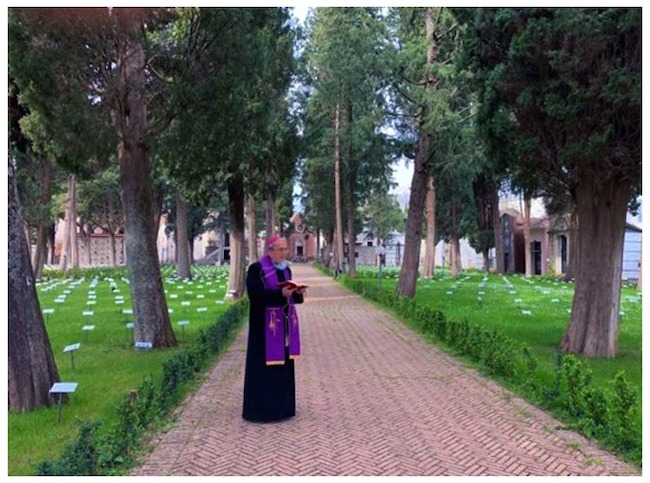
373	398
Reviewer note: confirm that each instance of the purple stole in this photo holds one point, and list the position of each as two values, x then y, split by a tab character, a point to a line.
274	320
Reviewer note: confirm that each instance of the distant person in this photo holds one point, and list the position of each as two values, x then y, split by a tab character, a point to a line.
273	337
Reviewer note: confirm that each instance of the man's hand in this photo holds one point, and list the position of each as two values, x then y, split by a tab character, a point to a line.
286	291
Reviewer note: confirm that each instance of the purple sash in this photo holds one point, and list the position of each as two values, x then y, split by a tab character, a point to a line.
275	338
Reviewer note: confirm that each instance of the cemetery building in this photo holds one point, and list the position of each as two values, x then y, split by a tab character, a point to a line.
94	248
549	246
302	241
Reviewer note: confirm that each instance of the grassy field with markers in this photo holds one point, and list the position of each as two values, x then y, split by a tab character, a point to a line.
106	366
533	310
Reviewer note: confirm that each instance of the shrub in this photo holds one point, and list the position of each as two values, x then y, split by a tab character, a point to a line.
78	458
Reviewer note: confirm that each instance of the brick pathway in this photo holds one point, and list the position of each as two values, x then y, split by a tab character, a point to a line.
380	402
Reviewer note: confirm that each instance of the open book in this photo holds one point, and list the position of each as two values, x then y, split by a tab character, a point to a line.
292	285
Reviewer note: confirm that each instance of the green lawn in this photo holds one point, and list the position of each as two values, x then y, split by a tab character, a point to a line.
105	366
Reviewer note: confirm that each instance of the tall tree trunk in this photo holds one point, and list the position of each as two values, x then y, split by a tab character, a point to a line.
454	250
486	260
409	269
421	171
41	251
67	227
51	241
593	327
269	211
74	239
32	369
454	243
236	208
497	223
89	249
528	248
574	254
158	197
350	201
183	261
485	188
430	246
151	317
352	237
328	248
337	192
111	237
45	183
252	231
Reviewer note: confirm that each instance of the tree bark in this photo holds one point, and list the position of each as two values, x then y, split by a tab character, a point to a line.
352	236
409	270
573	255
498	233
593	327
337	193
269	211
183	261
87	243
158	196
486	260
32	369
456	262
65	248
111	237
236	208
252	231
421	171
51	235
430	246
350	201
527	252
456	266
41	251
74	240
40	254
151	317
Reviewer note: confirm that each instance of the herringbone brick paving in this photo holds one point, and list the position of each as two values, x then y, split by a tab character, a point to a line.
373	399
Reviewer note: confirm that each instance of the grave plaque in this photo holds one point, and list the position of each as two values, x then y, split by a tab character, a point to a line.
47	313
62	388
71	348
87	328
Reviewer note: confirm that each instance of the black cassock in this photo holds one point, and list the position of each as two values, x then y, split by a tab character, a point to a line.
269	391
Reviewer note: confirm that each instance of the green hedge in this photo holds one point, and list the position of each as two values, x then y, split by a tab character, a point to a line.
111	450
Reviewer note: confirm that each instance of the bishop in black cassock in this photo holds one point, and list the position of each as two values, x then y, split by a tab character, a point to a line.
269	386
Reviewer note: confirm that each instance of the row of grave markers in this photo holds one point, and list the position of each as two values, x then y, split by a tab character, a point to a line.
62	388
511	290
